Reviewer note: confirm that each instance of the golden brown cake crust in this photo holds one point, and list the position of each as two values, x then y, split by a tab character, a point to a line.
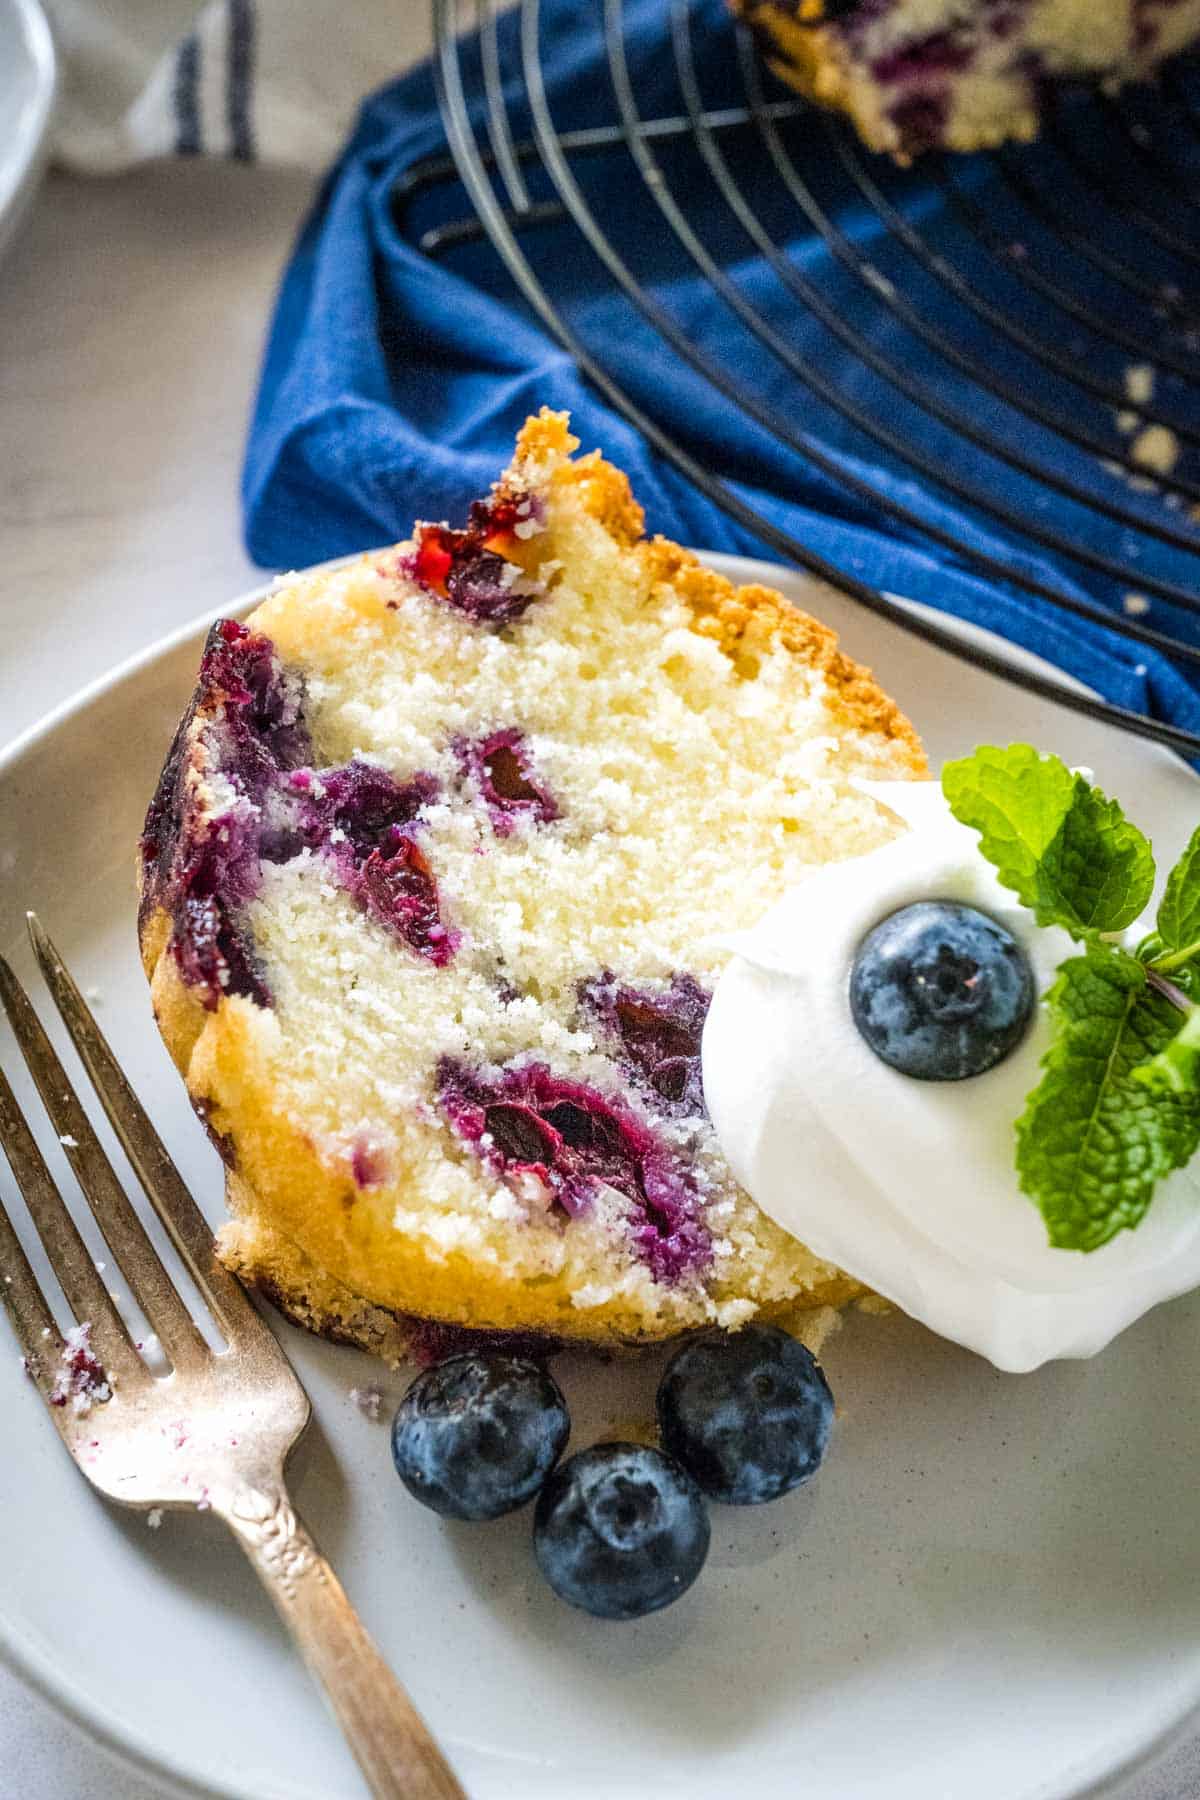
800	49
278	1269
286	1200
810	58
740	619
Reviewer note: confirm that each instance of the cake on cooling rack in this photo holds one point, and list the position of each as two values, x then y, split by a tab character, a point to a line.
428	891
959	74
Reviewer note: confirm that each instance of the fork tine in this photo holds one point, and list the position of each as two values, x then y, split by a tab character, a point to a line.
35	1330
124	1234
185	1223
70	1259
32	1320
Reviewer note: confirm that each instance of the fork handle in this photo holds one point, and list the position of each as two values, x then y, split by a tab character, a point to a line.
390	1740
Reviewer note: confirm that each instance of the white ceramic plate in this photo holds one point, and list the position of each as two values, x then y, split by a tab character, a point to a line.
992	1589
27	87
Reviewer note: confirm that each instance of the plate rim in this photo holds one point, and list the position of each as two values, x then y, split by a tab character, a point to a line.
38	40
120	1741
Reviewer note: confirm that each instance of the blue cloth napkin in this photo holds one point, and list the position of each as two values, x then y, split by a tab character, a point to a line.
393	383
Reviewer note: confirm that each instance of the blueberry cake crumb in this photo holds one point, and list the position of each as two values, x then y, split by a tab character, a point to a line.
430	894
80	1380
916	75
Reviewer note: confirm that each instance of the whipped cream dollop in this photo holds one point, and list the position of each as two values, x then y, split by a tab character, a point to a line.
910	1185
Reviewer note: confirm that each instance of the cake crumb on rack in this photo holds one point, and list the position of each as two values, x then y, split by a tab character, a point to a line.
1155	448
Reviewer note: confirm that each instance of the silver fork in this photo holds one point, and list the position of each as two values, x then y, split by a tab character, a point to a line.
215	1432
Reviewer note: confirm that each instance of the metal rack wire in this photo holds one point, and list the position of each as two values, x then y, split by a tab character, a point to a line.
1061	280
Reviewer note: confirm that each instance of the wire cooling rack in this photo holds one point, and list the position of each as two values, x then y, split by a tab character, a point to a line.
1072	266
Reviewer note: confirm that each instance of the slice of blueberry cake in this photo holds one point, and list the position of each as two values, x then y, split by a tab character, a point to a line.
959	74
429	890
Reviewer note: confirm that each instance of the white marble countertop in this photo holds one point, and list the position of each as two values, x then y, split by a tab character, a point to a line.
132	316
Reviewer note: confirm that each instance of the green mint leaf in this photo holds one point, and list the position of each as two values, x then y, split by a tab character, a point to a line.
1100	867
1017	800
1093	1141
1179	914
1175	1070
1064	848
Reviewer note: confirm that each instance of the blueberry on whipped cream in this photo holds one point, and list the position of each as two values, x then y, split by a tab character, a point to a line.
941	991
912	1186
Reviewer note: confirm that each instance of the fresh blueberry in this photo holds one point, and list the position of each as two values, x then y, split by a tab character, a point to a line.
476	1437
620	1530
941	991
748	1415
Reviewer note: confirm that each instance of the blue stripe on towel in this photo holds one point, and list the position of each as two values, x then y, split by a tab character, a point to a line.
240	69
186	97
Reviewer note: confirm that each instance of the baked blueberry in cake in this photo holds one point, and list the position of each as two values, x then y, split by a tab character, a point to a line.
431	893
959	74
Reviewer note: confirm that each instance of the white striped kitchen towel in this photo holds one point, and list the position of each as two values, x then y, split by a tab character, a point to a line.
258	80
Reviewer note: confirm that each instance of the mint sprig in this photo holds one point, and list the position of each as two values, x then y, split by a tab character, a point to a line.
1094	1141
1067	852
1179	915
1176	1068
1118	1104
